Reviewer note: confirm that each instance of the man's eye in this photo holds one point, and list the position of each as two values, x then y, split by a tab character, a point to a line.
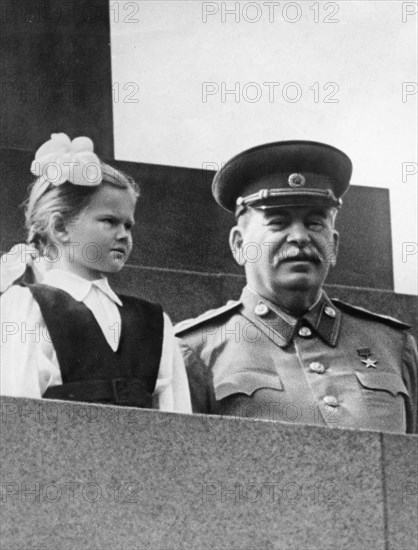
277	222
108	221
315	225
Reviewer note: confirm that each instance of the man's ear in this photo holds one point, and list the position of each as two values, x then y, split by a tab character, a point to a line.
336	242
236	243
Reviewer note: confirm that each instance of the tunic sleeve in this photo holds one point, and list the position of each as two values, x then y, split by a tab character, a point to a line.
172	389
410	376
28	360
198	376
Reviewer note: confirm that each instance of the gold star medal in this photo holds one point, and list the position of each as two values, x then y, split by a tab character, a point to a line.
369	362
366	353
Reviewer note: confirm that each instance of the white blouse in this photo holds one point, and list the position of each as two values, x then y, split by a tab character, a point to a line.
29	363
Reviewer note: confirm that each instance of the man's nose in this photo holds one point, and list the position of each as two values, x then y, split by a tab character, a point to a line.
298	233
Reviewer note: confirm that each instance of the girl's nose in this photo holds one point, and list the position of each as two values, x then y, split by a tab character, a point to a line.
122	232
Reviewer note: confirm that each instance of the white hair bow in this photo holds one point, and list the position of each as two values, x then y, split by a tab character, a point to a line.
59	160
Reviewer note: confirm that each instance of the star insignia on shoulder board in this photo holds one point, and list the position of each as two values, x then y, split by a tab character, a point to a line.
370	363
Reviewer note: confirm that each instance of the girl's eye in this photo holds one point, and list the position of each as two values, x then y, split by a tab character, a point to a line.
108	221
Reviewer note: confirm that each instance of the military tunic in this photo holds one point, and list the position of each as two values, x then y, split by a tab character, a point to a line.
338	365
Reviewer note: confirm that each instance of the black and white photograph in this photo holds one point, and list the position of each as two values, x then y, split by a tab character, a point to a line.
209	275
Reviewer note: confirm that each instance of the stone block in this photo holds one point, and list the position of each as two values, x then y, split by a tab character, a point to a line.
180	227
188	294
182	294
92	476
400	470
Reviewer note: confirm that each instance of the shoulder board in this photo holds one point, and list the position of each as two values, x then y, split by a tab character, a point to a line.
189	324
365	313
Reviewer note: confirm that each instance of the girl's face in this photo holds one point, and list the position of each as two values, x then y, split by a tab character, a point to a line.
100	240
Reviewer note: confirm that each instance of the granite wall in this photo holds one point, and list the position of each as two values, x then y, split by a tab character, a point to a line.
91	476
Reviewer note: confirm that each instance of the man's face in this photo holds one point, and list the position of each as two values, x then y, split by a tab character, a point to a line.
285	250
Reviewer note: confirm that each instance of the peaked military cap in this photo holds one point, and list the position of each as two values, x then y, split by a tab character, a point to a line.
283	173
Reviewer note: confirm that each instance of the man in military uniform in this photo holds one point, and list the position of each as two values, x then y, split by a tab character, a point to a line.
285	351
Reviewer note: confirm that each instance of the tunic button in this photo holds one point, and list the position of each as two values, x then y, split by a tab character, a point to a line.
261	310
330	311
317	367
331	401
305	332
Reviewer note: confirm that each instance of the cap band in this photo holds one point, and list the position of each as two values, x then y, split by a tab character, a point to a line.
264	199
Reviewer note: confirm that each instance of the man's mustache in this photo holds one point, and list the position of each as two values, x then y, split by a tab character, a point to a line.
293	253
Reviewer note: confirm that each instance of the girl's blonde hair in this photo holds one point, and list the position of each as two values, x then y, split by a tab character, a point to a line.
67	200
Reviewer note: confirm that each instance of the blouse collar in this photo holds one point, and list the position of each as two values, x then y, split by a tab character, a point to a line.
77	286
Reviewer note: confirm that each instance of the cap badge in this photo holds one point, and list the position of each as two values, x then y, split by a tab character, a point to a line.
296	180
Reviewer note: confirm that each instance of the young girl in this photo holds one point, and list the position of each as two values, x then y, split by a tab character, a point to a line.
65	333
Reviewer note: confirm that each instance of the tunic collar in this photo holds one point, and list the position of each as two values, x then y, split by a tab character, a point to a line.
323	318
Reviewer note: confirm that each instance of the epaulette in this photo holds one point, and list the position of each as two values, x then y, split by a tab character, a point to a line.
365	313
188	324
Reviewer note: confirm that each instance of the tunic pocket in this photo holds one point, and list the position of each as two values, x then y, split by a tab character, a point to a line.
383	395
382	381
246	382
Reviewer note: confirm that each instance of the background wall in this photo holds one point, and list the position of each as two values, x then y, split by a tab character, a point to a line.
55	72
181	257
197	82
